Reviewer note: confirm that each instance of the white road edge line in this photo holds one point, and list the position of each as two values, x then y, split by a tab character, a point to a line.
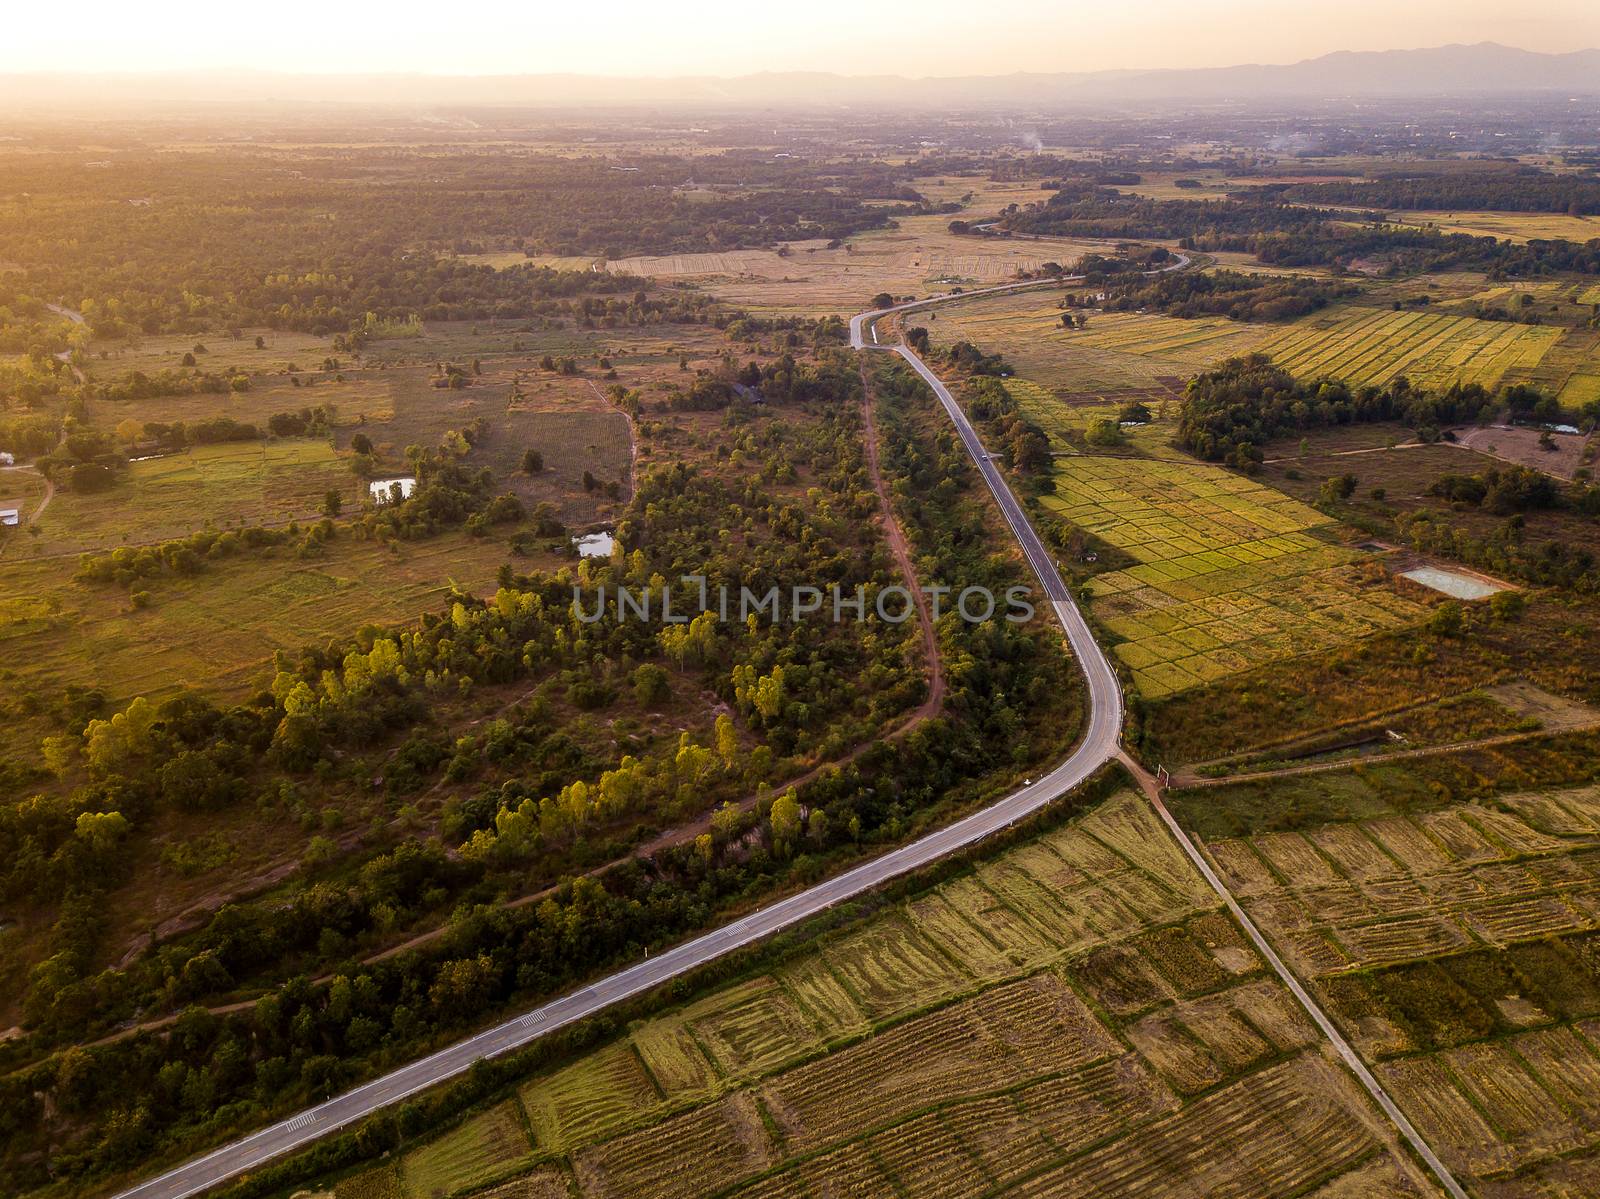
1098	745
1313	1009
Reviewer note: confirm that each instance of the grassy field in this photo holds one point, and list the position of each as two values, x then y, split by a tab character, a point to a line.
281	349
1403	477
1076	1014
219	629
1118	349
20	489
1508	226
920	257
238	482
1228	574
1457	947
1374	345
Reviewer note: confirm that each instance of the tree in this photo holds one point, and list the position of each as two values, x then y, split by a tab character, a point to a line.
532	462
1338	488
332	502
361	443
1447	620
650	684
102	830
1507	605
1104	432
727	740
785	820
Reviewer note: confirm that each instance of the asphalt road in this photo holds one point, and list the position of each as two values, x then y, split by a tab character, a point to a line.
1098	745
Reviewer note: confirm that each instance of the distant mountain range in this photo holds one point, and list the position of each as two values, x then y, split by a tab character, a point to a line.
1483	69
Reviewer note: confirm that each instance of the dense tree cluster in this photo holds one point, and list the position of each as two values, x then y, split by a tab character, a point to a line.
1018	441
1287	234
1501	491
360	240
1525	189
1233	294
1230	412
530	795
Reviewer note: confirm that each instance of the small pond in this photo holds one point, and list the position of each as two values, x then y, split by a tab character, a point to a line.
595	545
382	490
1452	582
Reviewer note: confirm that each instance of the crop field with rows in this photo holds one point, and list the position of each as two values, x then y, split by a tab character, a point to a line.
1077	1007
1228	573
1458	947
1432	349
1065	415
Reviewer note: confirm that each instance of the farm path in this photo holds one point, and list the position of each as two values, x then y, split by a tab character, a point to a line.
901	549
633	442
1097	744
44	500
65	356
1347	1054
1371	449
681	834
1188	777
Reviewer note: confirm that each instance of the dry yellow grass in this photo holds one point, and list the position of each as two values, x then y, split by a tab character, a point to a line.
1508	226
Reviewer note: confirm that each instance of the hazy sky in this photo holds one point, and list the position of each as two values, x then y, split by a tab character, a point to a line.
724	37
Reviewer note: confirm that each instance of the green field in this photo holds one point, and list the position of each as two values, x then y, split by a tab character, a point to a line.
1065	418
1513	226
1075	1013
239	482
1432	349
1229	574
1117	350
218	629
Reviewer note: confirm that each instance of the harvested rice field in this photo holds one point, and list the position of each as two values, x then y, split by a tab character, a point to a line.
1229	574
1078	1014
1459	948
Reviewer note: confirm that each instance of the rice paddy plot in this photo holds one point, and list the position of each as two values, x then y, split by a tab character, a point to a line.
889	968
1228	574
1398	888
1063	414
1432	349
684	1156
599	1094
1019	1026
483	1149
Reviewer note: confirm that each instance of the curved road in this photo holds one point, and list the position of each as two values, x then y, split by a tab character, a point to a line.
1098	745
